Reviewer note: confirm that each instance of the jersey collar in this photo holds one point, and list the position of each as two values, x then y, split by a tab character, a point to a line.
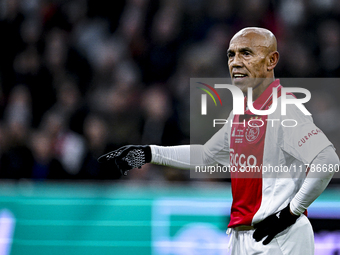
265	99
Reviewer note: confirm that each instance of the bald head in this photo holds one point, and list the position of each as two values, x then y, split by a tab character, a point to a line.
258	37
252	57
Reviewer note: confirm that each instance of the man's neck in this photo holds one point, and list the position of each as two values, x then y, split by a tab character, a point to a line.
261	87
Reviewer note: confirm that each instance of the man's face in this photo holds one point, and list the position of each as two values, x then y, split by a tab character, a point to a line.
247	60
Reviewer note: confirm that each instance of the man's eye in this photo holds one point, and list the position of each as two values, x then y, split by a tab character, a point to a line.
230	54
247	53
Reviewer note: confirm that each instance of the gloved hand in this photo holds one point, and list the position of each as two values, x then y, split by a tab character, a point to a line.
274	224
128	157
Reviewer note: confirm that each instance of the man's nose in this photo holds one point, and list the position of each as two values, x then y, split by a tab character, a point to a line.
236	61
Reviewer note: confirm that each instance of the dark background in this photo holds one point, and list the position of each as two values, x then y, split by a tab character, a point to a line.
79	78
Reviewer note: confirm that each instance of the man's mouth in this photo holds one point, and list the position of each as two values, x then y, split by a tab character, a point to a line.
238	76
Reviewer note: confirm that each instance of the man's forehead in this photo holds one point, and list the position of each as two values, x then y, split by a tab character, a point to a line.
249	40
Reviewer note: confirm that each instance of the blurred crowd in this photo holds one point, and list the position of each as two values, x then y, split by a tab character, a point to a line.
81	77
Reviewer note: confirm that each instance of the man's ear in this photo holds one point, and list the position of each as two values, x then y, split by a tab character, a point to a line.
273	59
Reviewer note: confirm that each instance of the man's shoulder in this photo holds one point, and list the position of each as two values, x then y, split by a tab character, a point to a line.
293	110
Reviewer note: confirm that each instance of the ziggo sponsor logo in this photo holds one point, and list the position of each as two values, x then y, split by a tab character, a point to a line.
242	162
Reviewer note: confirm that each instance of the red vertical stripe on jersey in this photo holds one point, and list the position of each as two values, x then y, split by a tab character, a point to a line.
247	144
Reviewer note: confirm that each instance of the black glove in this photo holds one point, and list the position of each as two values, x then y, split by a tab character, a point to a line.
273	224
128	157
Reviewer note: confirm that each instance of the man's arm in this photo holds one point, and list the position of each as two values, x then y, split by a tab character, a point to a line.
135	156
183	156
214	151
315	182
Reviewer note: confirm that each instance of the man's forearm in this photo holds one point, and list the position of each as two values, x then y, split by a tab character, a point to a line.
183	156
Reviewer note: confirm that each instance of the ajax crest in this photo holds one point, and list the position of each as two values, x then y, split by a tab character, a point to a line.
252	133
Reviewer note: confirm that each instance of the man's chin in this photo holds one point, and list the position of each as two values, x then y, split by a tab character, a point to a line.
242	84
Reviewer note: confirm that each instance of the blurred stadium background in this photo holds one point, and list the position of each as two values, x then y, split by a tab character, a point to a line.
81	77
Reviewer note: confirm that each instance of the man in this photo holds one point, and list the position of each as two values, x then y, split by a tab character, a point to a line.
268	209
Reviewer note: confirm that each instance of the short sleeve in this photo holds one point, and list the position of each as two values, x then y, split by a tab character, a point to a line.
301	137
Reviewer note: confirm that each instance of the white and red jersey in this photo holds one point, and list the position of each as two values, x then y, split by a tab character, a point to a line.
265	142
